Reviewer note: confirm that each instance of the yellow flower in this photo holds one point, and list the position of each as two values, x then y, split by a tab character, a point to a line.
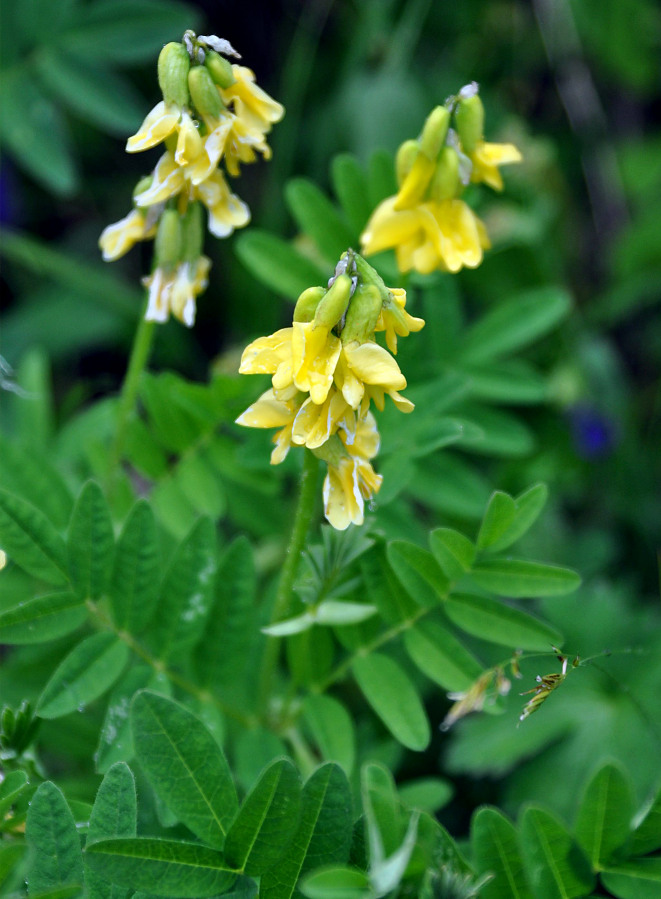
315	351
168	181
251	104
351	479
367	365
159	124
271	412
315	423
487	157
212	147
270	356
446	235
119	237
395	320
175	290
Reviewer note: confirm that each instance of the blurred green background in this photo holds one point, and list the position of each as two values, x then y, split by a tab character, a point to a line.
575	84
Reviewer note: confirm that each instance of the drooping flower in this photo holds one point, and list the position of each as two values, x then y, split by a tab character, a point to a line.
395	320
350	479
118	238
427	223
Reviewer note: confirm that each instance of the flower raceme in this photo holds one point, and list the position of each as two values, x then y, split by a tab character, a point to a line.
326	369
427	223
212	111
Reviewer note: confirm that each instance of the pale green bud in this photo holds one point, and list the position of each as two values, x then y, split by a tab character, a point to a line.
369	275
173	66
362	314
168	243
469	116
445	181
220	69
307	303
204	92
434	131
332	451
406	156
333	305
192	233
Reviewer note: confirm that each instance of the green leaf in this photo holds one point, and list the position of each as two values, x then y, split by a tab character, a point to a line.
392	695
384	815
134	583
86	673
35	421
520	578
90	543
318	218
332	729
381	180
604	815
266	821
418	572
12	786
336	882
453	551
428	794
184	765
528	506
512	381
440	656
51	835
127	31
493	432
499	515
495	851
116	738
350	187
28	474
28	537
114	814
34	131
323	835
95	93
10	857
186	593
232	620
638	878
41	619
496	622
556	866
514	324
277	264
176	869
384	590
646	836
200	484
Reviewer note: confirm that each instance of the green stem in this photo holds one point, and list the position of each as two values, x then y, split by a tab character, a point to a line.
283	598
140	350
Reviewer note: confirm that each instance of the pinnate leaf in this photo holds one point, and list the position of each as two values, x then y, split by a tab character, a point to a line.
28	537
42	618
521	578
90	543
51	835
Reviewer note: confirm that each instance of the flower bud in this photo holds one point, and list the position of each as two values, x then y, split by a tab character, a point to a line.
173	66
167	246
362	314
469	116
434	131
192	233
220	69
445	183
204	92
333	305
142	185
307	303
406	156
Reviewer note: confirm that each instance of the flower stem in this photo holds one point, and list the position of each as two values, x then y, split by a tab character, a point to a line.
140	350
283	598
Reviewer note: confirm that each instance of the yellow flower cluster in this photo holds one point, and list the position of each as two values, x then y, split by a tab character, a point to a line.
211	111
326	370
427	223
